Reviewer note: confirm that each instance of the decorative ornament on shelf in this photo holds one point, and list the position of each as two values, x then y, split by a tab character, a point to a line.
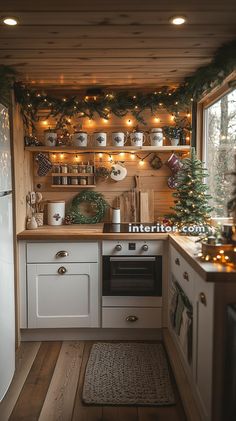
118	172
156	162
191	198
102	172
95	204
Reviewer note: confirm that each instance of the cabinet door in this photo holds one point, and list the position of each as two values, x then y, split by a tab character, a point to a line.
63	296
203	338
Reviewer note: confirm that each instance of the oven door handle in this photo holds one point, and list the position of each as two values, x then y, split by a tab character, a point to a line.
132	259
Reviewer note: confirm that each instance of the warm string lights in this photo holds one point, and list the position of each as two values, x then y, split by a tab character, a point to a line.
220	255
111	157
120	104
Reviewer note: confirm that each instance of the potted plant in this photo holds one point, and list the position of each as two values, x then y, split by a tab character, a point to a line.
173	134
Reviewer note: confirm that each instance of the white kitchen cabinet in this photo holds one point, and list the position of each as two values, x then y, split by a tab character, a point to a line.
203	331
62	296
131	317
201	296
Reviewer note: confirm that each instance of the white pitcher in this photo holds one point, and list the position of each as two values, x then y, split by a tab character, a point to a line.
137	139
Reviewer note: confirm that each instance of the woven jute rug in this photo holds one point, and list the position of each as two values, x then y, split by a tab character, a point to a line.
127	374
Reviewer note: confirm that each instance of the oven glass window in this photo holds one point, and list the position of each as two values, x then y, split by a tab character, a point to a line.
133	276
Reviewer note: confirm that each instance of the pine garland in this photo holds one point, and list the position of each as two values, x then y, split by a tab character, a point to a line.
121	103
191	198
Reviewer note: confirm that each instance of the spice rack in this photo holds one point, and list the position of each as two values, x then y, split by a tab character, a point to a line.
74	175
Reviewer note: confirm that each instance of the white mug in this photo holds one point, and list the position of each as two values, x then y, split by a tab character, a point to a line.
100	138
80	139
50	138
137	138
118	139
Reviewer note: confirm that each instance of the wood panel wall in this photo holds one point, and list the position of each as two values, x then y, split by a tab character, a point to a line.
149	178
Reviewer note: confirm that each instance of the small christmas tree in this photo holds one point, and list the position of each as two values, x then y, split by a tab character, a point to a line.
191	198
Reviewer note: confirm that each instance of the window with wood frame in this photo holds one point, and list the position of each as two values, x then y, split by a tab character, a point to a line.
219	149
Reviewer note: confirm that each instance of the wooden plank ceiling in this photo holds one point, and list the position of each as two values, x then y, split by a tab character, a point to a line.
124	43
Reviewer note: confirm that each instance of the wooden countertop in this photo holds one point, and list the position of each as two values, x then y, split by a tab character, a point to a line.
83	232
210	272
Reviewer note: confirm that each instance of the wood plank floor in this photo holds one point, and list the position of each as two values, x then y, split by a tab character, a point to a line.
48	384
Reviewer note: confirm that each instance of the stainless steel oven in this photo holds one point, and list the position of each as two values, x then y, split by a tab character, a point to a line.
131	269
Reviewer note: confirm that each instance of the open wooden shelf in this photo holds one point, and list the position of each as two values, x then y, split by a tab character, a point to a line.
72	186
63	149
72	174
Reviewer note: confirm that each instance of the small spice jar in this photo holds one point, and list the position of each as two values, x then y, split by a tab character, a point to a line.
83	181
56	179
74	169
64	168
82	168
74	180
89	168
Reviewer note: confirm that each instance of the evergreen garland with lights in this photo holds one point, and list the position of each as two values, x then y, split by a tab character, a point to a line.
122	103
191	198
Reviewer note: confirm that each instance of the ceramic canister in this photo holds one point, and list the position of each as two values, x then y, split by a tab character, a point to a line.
118	139
50	138
56	212
80	139
116	216
156	137
100	138
137	138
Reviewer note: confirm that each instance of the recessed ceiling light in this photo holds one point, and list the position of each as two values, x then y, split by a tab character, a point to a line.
10	21
178	20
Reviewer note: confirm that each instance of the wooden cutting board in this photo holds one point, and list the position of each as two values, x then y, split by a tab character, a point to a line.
146	203
146	206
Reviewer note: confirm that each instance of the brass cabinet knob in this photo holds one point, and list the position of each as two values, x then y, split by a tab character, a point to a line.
62	253
62	270
203	299
131	319
185	276
177	262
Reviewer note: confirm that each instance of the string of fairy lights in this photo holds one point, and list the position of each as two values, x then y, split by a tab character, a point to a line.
113	157
119	104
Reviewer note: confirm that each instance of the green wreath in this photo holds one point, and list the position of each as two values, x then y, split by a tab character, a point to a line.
96	202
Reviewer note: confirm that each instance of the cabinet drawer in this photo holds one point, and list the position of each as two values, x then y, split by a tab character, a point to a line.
62	252
183	273
121	317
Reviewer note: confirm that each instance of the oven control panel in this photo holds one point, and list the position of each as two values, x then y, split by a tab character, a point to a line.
132	248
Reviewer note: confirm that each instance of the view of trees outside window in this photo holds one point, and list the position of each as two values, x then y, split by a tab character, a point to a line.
220	138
